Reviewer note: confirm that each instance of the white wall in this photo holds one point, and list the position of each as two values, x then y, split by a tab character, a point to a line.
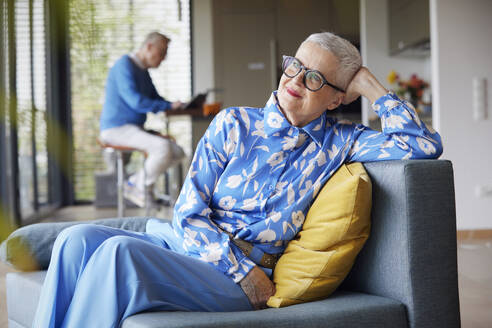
203	47
374	40
461	34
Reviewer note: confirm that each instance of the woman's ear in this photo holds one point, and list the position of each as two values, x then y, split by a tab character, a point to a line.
337	100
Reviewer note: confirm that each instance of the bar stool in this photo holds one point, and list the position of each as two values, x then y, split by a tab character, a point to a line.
120	150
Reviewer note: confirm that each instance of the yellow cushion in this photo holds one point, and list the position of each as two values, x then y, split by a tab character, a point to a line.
323	252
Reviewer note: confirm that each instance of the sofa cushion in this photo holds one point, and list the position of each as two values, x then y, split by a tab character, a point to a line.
322	254
29	248
23	291
342	310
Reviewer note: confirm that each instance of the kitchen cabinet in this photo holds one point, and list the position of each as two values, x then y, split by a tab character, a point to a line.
409	27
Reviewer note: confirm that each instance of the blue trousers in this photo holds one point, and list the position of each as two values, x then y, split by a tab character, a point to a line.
98	276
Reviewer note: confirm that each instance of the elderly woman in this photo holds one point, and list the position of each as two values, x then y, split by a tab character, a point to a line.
254	175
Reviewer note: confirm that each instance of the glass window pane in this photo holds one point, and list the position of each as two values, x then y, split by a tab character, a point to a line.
24	107
39	72
100	33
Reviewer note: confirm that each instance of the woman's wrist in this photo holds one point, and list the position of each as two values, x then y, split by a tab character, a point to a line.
370	87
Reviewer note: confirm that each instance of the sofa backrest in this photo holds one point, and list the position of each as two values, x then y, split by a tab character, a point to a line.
411	254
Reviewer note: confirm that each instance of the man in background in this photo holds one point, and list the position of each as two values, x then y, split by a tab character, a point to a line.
130	95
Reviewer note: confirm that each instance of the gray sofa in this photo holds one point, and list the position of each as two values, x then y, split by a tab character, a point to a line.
406	275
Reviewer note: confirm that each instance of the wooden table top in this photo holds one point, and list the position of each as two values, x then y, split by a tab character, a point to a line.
196	112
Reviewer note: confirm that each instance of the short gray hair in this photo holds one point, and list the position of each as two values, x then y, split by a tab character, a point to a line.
154	37
349	59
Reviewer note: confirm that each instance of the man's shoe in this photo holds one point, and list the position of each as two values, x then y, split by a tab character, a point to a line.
134	194
137	196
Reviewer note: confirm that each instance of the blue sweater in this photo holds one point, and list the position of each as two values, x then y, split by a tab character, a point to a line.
130	94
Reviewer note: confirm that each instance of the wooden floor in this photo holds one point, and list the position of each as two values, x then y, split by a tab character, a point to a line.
474	267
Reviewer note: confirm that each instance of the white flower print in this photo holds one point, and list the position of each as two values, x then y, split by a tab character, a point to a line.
266	236
408	155
307	187
333	152
251	175
213	253
199	224
388	144
275	120
290	195
309	149
207	191
394	122
302	164
240	224
274	216
249	204
241	149
276	158
426	146
309	169
289	143
384	154
206	212
301	139
298	218
279	188
190	238
335	130
316	187
286	225
245	118
391	103
190	201
219	122
192	173
236	276
401	141
234	181
356	147
227	202
321	158
407	114
232	259
231	142
222	118
263	147
260	131
226	226
409	105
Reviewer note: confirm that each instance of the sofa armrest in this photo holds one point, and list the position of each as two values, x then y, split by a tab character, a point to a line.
29	248
411	254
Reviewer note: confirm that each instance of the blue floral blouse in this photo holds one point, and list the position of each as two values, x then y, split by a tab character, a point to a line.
255	175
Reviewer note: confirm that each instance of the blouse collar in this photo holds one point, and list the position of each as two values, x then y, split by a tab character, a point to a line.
274	122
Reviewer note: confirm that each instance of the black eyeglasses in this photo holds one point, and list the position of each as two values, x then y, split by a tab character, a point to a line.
313	80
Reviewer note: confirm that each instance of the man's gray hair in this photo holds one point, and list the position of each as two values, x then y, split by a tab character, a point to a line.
348	56
154	37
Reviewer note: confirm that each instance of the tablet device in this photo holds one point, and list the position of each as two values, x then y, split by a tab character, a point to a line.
196	102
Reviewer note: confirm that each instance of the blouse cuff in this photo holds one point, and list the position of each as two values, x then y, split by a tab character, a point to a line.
385	103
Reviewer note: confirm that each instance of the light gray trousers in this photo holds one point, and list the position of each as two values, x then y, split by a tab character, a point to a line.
161	152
